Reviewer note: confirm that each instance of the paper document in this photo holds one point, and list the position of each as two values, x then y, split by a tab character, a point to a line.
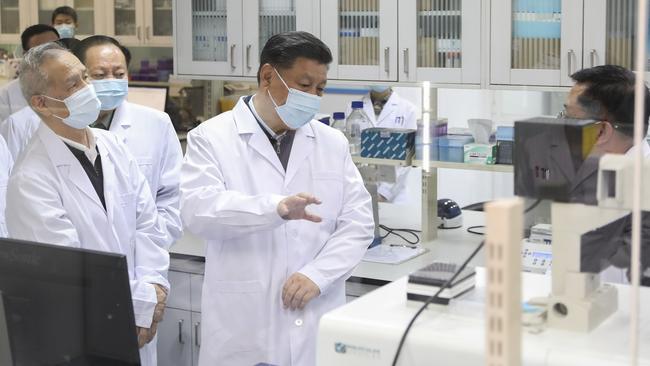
391	255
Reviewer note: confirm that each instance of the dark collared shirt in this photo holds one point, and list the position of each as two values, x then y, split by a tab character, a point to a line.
94	172
281	143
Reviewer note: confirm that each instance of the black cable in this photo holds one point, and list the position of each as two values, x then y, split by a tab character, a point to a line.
430	299
443	287
394	231
471	229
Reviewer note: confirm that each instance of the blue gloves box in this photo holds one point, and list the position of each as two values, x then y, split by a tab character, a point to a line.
387	143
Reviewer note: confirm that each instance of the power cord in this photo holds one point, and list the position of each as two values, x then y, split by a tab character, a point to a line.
396	232
443	287
472	231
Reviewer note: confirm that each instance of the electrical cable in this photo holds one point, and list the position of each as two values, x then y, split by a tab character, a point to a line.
471	230
443	287
394	231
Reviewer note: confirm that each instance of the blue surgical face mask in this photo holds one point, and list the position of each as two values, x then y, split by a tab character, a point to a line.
111	92
379	88
83	108
65	30
299	109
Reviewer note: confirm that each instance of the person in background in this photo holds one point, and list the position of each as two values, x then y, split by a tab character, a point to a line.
80	187
11	97
386	109
64	19
148	134
6	163
282	208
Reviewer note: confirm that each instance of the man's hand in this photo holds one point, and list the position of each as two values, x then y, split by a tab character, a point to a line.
298	291
146	335
293	207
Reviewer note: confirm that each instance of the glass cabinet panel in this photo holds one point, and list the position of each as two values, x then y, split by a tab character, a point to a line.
86	15
9	17
45	9
210	30
125	18
536	34
439	33
621	34
359	32
162	18
276	16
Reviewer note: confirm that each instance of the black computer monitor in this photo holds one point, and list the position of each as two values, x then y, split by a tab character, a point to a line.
65	306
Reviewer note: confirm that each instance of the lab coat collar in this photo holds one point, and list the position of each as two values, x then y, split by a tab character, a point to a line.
67	163
121	120
302	143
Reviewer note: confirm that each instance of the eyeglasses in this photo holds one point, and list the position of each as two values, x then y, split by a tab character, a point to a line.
616	125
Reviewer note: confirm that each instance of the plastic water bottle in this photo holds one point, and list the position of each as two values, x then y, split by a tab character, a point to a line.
339	122
355	122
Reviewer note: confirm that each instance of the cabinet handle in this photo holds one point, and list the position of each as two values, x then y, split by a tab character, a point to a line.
569	63
592	57
387	59
180	332
139	28
197	333
248	57
406	60
232	56
147	31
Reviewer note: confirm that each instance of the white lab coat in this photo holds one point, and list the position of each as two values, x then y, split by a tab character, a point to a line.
231	184
6	162
151	139
18	128
397	113
11	99
51	200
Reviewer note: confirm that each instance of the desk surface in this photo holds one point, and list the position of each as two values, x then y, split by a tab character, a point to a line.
447	332
454	244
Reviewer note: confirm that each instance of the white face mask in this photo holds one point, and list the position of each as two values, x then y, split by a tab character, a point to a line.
65	30
299	109
83	107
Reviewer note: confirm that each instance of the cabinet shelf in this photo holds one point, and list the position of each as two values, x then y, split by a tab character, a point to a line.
440	13
371	161
359	13
222	13
498	168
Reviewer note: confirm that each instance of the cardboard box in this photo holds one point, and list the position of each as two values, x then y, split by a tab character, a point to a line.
388	143
480	153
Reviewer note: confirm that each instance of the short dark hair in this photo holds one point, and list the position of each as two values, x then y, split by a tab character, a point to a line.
68	43
35	30
64	10
609	95
282	50
84	45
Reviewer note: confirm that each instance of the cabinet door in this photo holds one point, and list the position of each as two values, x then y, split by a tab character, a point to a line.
610	34
175	344
196	337
362	35
180	294
13	19
208	37
440	41
89	13
265	18
44	9
125	21
535	42
158	23
196	287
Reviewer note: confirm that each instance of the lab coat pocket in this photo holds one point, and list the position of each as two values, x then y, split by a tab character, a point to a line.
328	188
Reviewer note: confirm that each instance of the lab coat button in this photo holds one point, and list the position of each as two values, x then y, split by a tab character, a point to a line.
298	322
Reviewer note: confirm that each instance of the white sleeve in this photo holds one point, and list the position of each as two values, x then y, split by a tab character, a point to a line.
209	209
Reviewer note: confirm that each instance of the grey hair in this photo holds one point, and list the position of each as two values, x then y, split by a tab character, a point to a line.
33	80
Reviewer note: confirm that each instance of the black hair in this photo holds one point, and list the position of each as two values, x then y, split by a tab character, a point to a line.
68	43
282	50
609	95
64	10
35	30
84	45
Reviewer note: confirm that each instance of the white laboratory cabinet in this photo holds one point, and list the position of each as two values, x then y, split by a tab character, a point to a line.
223	38
179	334
540	42
140	22
90	14
406	40
14	17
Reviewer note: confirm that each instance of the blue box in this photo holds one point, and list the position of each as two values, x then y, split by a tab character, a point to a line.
433	150
505	133
387	143
451	147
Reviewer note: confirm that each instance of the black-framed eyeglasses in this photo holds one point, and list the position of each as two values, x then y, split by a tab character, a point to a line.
616	125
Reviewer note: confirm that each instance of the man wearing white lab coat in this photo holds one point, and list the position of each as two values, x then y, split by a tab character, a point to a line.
11	97
77	186
18	128
386	109
6	162
148	134
283	210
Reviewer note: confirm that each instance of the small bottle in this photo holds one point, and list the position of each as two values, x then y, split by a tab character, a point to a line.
357	120
339	121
